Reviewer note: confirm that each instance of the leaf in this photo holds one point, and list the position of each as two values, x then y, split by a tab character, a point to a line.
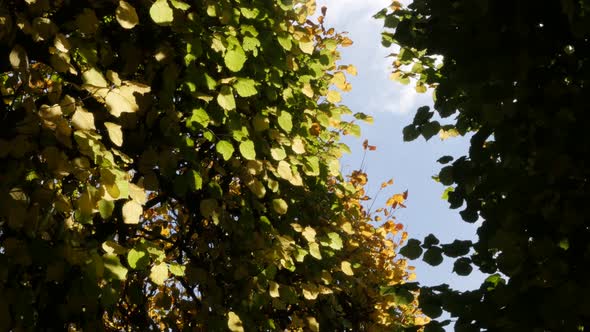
298	146
18	58
225	149
280	206
245	87
306	45
105	208
456	248
235	58
346	268
137	259
278	153
112	247
226	99
177	269
285	121
94	78
309	234
412	249
430	129
310	291
126	15
433	256
234	323
113	265
335	241
247	150
334	97
314	250
159	273
462	266
410	133
115	133
200	116
195	180
284	170
273	289
161	13
83	120
131	212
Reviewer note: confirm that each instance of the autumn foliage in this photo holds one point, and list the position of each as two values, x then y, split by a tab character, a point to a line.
170	165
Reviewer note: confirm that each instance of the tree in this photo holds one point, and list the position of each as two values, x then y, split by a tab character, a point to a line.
167	165
514	76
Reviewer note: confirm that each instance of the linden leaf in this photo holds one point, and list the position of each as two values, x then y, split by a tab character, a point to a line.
306	45
310	291
234	323
225	149
83	120
278	153
314	250
115	133
226	99
18	57
284	170
273	289
105	208
346	268
235	58
131	212
112	247
285	121
245	87
138	260
309	234
335	241
113	265
199	116
334	96
298	146
126	15
280	206
247	150
161	12
94	78
177	269
159	273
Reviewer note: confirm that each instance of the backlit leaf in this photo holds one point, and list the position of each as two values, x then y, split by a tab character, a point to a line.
115	133
234	323
161	13
131	212
225	148
247	150
235	58
159	273
280	206
245	87
346	267
126	15
226	99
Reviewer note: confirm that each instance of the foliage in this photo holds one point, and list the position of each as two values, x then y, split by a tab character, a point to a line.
514	75
170	165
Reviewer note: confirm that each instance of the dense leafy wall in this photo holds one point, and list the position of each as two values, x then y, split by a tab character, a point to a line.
170	165
515	75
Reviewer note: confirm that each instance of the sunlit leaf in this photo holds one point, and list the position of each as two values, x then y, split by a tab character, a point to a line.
161	13
126	15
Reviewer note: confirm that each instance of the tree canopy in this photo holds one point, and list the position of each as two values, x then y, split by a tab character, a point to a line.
514	76
172	165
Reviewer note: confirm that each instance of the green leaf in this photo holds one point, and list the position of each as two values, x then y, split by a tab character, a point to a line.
412	249
235	58
113	265
278	153
200	116
226	99
285	41
433	256
195	180
225	149
105	208
138	259
430	129
247	150
285	121
245	87
161	13
177	269
335	241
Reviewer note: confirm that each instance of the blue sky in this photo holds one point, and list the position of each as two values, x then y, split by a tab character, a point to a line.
410	164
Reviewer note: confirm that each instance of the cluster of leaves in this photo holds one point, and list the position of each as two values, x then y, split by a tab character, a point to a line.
515	76
167	165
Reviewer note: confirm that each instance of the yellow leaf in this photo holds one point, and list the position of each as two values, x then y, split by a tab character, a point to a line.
298	146
234	322
306	45
159	273
310	291
351	70
334	96
115	133
313	324
273	289
284	170
131	212
112	247
83	120
346	268
309	234
137	193
94	78
347	227
307	90
280	206
296	227
62	43
339	80
126	15
314	250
